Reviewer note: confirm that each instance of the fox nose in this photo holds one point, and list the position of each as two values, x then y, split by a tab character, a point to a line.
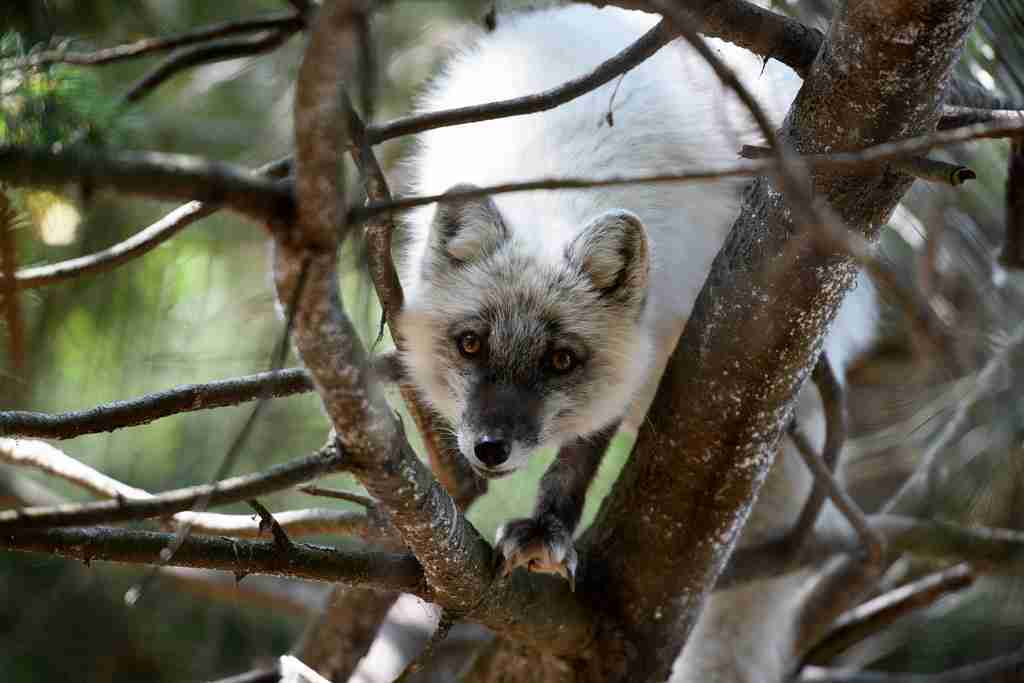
492	452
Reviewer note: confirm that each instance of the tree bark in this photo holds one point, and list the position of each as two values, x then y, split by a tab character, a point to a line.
670	523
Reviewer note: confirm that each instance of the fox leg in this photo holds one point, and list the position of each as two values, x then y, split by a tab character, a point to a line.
543	542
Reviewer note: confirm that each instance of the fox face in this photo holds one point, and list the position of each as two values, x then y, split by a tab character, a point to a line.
521	348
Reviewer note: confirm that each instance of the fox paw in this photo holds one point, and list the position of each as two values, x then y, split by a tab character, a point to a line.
541	545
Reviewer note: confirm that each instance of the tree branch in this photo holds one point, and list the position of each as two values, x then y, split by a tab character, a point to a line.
627	59
876	614
284	21
145	409
872	157
371	569
138	244
445	461
1003	669
457	562
697	464
217	51
279	477
151	174
300	522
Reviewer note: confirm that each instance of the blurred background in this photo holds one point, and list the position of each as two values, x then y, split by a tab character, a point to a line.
200	308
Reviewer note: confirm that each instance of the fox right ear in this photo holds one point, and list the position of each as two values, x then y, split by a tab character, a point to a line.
612	252
466	229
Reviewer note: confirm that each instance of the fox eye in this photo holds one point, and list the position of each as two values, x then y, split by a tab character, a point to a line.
563	361
469	344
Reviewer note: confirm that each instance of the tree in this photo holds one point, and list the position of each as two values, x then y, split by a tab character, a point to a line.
833	176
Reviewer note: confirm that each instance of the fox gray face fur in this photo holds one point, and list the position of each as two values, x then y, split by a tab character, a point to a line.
522	347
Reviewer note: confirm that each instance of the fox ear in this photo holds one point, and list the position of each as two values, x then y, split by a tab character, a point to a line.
467	229
612	252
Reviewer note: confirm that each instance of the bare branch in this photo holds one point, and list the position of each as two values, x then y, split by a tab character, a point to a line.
9	287
208	53
627	59
138	244
872	541
1003	669
1012	255
863	160
46	458
445	462
145	409
277	478
150	174
458	563
284	21
834	407
958	117
922	168
876	614
699	463
371	569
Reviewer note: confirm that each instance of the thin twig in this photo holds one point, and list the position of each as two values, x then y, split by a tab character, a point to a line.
922	168
286	21
870	156
209	53
833	400
145	409
446	463
876	614
627	59
235	489
958	117
365	501
138	244
44	457
1002	669
267	521
873	542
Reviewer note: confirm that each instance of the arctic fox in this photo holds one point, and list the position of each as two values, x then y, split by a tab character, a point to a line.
546	318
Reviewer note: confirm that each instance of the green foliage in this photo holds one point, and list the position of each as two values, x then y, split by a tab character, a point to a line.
52	104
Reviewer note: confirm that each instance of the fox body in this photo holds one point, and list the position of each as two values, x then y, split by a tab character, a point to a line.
546	318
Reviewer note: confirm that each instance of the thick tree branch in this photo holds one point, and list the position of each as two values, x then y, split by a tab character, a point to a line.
145	409
457	562
138	244
371	569
723	402
151	174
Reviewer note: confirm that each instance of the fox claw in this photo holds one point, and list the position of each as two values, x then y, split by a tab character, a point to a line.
540	545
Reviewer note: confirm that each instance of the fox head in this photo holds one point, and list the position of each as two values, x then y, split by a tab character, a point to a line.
523	348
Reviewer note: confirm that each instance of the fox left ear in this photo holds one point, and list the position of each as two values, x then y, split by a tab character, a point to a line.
612	252
467	229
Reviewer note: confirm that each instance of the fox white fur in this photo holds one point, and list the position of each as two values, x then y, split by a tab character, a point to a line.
610	273
670	114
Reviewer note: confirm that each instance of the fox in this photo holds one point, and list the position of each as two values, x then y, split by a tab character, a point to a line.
545	319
